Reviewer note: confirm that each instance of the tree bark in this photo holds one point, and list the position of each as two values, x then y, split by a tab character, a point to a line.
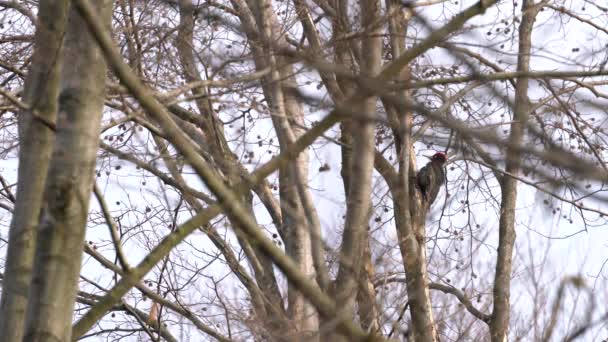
299	221
36	138
369	315
361	166
499	324
69	184
410	211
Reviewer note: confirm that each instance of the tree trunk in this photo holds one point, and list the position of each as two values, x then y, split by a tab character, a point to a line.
369	315
499	324
361	165
272	314
410	213
288	120
36	138
69	184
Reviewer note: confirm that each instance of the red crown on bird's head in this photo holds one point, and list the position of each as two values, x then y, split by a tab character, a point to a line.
440	157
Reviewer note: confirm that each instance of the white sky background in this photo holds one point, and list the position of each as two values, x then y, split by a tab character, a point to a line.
582	254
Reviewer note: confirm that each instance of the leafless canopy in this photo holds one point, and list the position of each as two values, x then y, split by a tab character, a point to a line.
240	170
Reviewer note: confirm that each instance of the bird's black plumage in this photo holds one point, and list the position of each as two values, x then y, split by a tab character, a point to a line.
431	177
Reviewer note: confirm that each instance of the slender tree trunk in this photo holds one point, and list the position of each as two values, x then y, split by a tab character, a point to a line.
299	221
361	165
412	243
499	324
36	138
369	316
69	184
410	213
366	294
411	231
272	314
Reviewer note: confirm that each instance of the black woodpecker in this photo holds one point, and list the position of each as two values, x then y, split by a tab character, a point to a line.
431	177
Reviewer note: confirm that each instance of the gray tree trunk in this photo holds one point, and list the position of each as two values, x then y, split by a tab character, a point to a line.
361	166
69	184
272	313
299	219
499	324
36	138
410	213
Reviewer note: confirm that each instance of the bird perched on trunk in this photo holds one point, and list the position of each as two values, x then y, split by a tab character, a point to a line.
431	177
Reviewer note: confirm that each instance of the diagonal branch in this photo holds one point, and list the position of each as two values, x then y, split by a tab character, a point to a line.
113	229
225	196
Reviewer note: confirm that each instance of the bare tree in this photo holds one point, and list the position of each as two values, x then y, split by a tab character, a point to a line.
254	170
